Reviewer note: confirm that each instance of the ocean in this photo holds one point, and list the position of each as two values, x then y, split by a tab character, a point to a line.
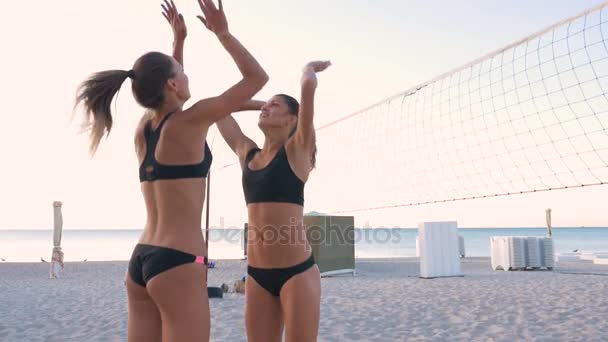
21	245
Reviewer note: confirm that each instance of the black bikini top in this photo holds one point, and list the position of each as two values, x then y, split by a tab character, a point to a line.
274	183
151	170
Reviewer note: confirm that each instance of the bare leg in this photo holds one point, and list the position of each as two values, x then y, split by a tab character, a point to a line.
301	302
144	323
263	318
181	296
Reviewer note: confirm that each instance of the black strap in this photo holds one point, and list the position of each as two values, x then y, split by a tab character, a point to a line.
251	154
162	122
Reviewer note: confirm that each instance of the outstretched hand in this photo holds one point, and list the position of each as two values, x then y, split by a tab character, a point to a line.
175	19
317	66
214	19
309	77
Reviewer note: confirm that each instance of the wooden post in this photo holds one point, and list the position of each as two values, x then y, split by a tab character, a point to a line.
245	239
207	212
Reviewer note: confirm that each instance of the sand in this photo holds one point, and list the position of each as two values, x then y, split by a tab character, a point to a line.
385	301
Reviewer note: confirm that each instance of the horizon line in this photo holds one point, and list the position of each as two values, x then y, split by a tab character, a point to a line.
377	227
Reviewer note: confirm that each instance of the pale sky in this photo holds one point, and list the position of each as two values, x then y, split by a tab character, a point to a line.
378	48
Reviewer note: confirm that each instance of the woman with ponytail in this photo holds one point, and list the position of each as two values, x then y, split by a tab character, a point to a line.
166	285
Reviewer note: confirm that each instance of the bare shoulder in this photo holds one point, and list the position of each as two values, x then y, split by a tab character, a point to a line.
299	157
200	113
138	138
300	148
143	121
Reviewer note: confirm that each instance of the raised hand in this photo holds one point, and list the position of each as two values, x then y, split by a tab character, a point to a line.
309	77
175	19
317	66
214	19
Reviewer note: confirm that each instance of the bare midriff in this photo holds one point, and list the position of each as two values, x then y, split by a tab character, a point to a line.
276	235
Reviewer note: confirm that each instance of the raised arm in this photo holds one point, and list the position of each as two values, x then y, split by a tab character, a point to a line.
304	135
178	25
251	105
231	132
253	76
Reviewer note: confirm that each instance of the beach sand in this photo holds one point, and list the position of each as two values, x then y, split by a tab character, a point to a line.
385	301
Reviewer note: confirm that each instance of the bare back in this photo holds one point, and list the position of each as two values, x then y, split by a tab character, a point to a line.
174	206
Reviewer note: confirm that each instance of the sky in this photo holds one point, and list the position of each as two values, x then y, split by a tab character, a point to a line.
377	48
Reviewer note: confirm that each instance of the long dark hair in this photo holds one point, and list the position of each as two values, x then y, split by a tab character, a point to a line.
293	107
149	74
